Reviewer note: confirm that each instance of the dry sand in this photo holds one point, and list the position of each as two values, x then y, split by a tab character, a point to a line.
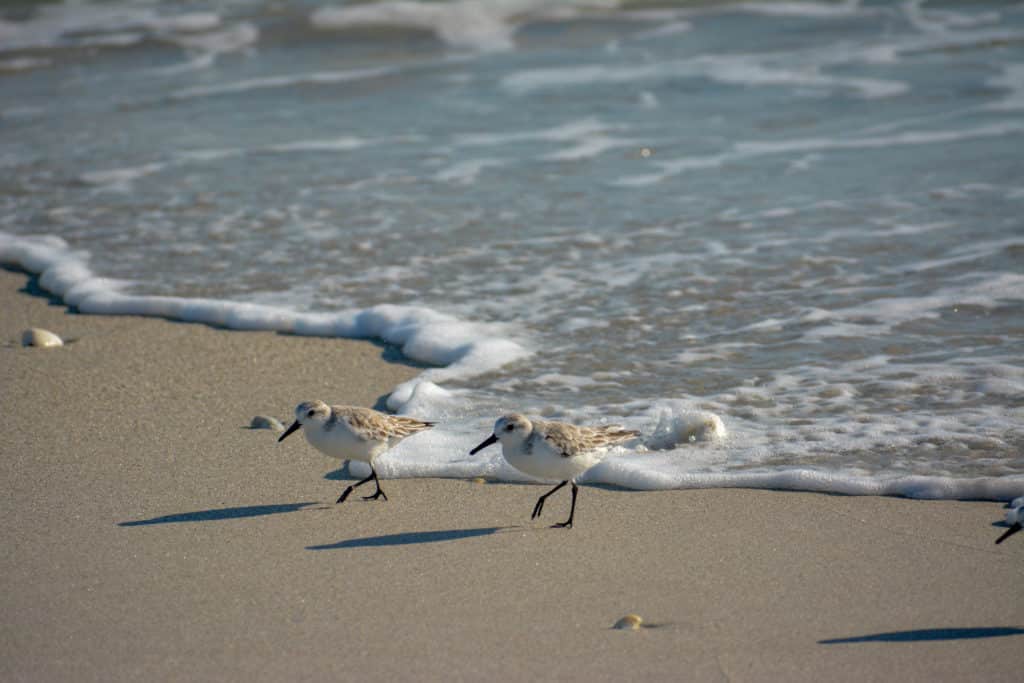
149	536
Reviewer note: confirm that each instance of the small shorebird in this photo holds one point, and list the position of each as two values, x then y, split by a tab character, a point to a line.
553	451
1014	517
353	433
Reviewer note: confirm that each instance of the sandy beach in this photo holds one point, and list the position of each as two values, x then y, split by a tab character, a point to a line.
150	535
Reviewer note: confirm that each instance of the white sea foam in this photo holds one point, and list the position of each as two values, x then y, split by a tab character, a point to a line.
194	22
686	464
342	144
891	311
98	24
740	73
204	48
817	10
590	138
463	349
122	39
751	149
466	171
23	64
967	253
460	24
744	70
566	132
121	178
811	71
678	425
943	20
530	80
202	35
484	26
682	446
591	147
571	382
670	28
274	82
633	473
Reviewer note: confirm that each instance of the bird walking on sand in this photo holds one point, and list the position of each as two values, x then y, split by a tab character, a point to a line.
553	451
353	433
1014	517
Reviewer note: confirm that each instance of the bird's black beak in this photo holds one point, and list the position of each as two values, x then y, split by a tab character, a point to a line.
295	425
487	442
1009	532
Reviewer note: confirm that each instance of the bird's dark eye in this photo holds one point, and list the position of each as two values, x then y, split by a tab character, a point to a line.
311	413
509	428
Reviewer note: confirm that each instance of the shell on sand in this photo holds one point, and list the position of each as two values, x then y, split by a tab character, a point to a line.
264	422
630	622
37	336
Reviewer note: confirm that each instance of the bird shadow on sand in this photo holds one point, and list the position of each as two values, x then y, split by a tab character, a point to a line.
929	634
343	473
220	514
410	538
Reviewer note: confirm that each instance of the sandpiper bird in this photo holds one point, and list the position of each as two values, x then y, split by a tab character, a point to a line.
353	433
553	451
1014	517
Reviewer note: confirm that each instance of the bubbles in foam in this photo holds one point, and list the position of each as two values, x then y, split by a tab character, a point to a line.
678	425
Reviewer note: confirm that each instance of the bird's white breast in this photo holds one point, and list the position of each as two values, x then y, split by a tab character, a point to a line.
340	442
544	462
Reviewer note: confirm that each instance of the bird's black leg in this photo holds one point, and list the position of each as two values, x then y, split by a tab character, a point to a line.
540	501
1009	532
380	492
572	511
373	475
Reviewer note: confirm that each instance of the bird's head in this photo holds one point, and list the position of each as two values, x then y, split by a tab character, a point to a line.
306	413
509	429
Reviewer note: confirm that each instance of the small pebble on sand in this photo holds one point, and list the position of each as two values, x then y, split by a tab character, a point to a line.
630	622
263	422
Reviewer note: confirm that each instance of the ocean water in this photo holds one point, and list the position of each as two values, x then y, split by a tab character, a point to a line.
782	239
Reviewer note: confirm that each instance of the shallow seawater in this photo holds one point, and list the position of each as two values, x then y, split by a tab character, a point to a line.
802	218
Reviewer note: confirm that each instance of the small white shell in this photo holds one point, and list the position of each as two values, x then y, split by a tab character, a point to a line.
37	336
264	422
630	622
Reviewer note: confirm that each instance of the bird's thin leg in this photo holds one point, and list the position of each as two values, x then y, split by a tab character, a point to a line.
540	501
380	492
358	483
572	511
